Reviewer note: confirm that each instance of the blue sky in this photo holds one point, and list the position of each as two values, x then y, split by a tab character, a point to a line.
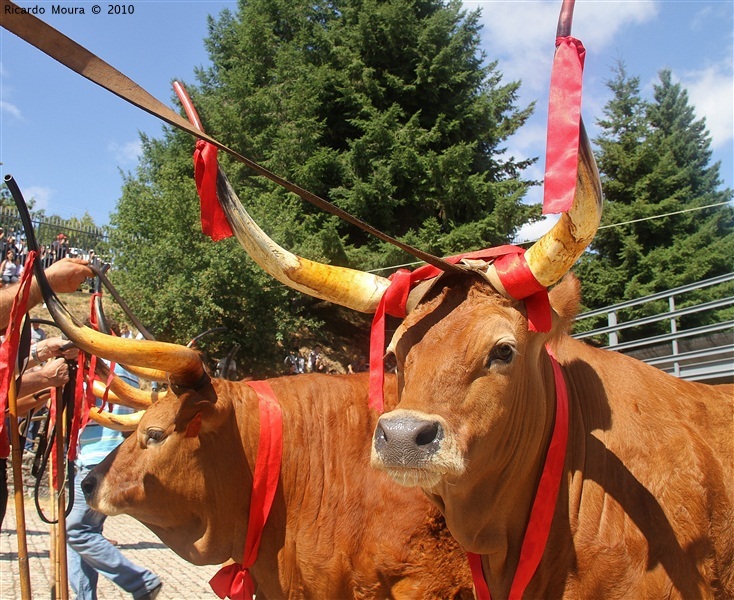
65	140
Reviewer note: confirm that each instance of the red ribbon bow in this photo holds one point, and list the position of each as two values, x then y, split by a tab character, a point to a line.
233	581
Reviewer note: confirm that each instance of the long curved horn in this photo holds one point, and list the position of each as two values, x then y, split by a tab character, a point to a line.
125	394
184	364
138	403
553	255
117	422
347	287
142	372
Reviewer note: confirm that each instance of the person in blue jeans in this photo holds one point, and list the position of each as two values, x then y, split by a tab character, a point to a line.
89	552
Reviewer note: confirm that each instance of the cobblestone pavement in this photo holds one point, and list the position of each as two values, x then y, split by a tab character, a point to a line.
181	580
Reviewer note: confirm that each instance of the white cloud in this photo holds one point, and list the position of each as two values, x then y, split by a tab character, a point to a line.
40	195
10	109
711	91
527	139
127	153
6	106
522	34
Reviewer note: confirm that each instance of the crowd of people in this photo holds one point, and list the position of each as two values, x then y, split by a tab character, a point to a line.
313	361
296	363
14	251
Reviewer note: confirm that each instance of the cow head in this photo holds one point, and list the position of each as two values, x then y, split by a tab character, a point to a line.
477	400
182	473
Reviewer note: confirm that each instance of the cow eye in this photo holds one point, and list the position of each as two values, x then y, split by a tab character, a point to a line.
501	354
154	436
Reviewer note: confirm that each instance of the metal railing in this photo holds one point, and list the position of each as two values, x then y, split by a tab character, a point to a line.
701	353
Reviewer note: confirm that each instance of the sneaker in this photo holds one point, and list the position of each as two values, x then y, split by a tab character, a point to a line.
151	595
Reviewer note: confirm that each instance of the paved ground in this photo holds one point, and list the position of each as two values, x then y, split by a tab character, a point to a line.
181	580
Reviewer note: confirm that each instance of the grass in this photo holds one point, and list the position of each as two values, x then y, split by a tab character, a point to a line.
76	303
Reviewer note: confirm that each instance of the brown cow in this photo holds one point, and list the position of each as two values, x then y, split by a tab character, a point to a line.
645	505
338	528
646	501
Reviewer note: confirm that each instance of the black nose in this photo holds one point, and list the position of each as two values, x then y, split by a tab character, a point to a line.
407	440
89	484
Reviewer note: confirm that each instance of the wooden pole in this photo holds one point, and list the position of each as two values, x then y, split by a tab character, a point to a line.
17	461
63	575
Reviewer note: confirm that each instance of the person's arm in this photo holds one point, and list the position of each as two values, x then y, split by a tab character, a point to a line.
54	373
64	276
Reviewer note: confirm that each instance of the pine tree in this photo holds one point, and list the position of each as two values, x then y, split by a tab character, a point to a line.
655	162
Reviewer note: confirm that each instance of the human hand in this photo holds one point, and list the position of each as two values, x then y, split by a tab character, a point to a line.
55	347
66	275
56	372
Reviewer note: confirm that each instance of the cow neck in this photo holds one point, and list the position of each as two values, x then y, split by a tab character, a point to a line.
234	581
544	503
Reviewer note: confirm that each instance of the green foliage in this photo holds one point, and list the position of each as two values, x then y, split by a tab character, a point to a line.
387	109
654	158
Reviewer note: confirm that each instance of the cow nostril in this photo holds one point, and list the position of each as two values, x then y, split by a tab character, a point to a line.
429	434
89	483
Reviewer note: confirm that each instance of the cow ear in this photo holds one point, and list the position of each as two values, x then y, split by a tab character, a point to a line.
194	426
196	414
565	300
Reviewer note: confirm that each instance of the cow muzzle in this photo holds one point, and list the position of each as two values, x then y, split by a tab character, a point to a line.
406	440
414	448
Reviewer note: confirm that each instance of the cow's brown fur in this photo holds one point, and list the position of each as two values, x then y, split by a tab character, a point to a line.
338	528
645	508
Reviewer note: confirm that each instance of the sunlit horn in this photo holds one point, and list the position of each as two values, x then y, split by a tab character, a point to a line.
553	255
183	364
117	422
347	287
141	372
126	394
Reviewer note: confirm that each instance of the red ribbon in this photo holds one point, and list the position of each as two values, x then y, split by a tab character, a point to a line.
544	503
9	348
564	126
234	581
513	272
213	220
